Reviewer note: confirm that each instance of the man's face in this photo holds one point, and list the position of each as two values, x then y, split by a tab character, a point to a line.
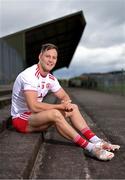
48	59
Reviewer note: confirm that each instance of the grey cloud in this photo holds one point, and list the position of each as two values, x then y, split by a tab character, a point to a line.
17	15
105	26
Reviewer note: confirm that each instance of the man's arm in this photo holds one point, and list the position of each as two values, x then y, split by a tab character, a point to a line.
35	106
65	99
63	96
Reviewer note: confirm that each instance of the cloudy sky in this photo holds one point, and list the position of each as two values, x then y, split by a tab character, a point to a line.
102	47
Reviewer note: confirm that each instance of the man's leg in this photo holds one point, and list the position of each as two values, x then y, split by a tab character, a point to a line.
45	118
79	123
42	120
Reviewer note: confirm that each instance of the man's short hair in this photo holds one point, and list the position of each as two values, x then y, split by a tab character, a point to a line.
48	46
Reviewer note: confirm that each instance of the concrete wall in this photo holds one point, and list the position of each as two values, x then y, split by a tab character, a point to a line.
11	62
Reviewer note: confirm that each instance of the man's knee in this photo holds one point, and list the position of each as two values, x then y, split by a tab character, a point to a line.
56	115
75	110
75	107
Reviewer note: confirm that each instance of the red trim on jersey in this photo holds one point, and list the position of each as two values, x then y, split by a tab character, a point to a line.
40	72
51	77
37	71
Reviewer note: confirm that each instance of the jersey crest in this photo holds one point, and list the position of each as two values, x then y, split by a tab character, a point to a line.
48	85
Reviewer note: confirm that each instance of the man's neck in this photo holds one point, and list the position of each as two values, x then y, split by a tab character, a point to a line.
42	72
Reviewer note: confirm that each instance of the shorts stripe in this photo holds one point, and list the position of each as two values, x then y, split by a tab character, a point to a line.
24	116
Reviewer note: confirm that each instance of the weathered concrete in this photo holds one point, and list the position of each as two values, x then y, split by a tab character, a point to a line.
4	115
5	90
60	159
5	100
17	153
107	111
5	95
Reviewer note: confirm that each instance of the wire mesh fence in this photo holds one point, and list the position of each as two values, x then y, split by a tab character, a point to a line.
113	82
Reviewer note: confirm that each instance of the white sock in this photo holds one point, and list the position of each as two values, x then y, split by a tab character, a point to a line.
89	146
94	139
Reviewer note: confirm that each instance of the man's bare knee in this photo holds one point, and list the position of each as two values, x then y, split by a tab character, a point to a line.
75	111
56	114
75	106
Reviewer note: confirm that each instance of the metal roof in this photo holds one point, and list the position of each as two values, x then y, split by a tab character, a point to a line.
64	32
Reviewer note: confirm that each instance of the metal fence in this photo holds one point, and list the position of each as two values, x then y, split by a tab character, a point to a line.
113	83
108	82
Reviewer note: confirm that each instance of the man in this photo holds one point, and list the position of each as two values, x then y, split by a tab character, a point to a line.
30	114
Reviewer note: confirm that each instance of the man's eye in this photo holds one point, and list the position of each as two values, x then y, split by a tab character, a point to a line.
47	55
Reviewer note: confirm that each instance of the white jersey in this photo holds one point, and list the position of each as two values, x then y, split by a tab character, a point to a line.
31	79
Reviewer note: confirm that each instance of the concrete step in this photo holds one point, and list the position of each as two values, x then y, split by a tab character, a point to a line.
5	100
59	158
5	90
5	117
18	151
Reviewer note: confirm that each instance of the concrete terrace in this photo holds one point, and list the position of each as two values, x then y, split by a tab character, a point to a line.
33	157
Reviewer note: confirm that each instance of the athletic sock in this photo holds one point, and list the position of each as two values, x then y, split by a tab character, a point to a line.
90	135
83	143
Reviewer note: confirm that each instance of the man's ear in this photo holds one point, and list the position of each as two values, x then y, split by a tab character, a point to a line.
40	55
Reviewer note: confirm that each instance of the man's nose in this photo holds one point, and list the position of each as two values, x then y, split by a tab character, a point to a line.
50	58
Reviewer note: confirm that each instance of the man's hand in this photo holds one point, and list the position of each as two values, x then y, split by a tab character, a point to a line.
66	101
67	105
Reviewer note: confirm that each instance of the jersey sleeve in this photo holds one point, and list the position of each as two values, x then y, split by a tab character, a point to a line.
29	83
55	85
